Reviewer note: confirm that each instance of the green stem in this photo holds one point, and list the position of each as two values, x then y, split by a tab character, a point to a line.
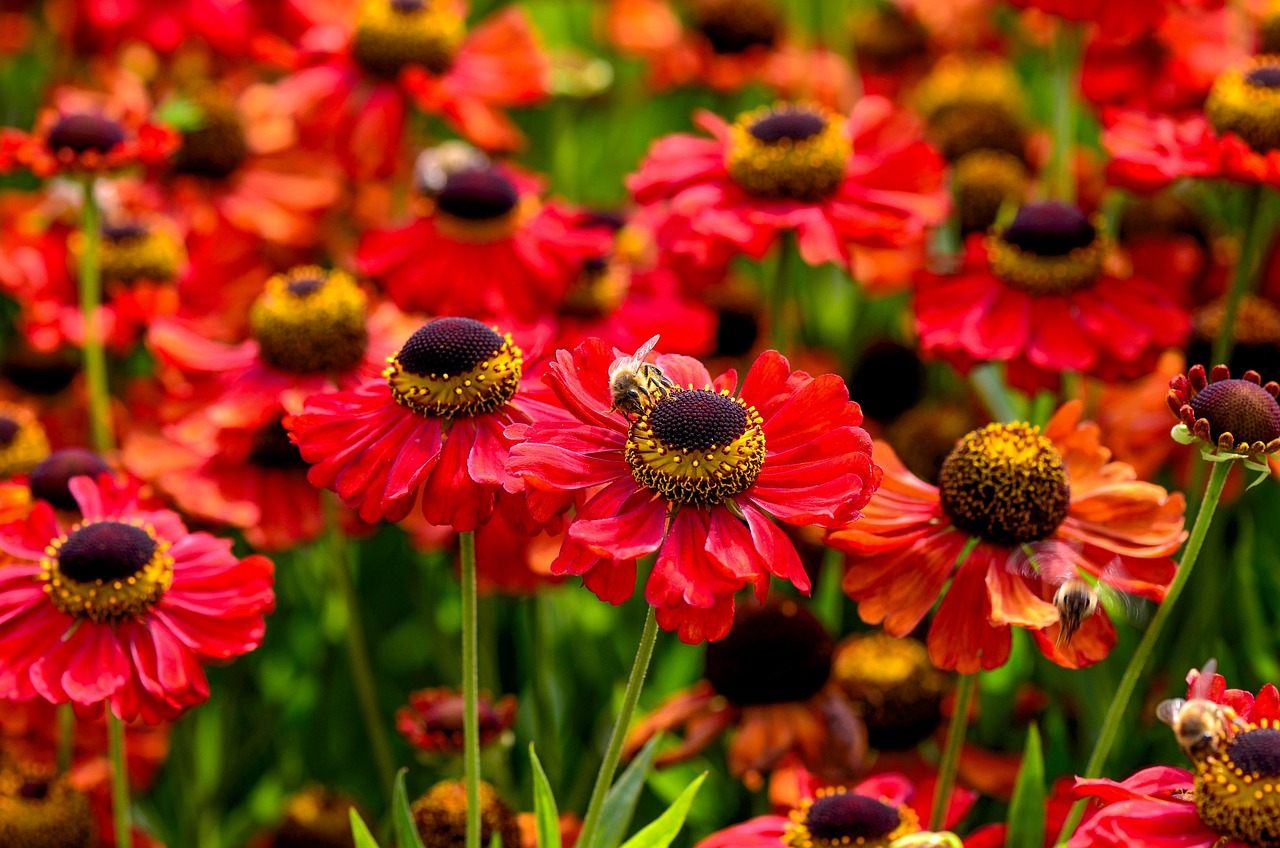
1114	718
1256	234
989	385
1065	78
951	755
95	361
470	686
604	779
66	737
120	813
780	296
357	650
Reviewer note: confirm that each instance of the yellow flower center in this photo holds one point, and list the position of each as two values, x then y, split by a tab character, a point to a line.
736	26
1238	789
972	105
315	817
107	570
134	251
836	818
38	809
599	290
1049	248
311	321
394	34
23	443
441	816
777	653
884	37
696	446
899	689
1006	484
455	367
985	180
788	151
1245	101
215	145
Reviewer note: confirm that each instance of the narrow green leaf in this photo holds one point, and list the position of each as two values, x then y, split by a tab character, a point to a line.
623	797
402	817
1027	807
495	841
545	814
661	832
360	832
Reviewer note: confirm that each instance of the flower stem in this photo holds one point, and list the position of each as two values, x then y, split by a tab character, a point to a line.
357	650
120	813
470	686
604	779
990	387
66	737
951	754
1256	233
780	296
1114	719
1065	78
95	361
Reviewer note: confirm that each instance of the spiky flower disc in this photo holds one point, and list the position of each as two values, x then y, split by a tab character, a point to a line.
1235	418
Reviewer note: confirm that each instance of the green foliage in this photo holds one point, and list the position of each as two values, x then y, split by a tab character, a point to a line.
402	816
546	816
359	830
624	795
1027	808
662	831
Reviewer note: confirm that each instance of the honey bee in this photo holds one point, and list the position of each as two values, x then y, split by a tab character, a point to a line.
634	383
1075	598
1200	725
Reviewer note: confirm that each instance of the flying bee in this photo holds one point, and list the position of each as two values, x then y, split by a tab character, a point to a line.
634	383
1075	598
1199	724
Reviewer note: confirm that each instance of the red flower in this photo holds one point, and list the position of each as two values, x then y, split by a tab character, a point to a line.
871	181
432	425
517	255
80	633
1115	21
1037	295
432	720
790	446
1154	807
225	25
1057	488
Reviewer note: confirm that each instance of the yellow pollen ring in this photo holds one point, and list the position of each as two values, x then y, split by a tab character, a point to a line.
108	600
809	169
1239	804
1047	275
1252	112
392	36
154	254
797	834
484	387
29	444
320	328
689	476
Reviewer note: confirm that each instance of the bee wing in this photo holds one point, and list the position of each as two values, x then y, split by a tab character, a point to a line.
634	360
1051	561
644	350
1167	711
1203	681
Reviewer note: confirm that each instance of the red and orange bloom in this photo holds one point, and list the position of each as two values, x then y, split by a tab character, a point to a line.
695	478
431	427
123	606
518	255
432	720
1038	296
227	26
771	681
869	181
1007	487
357	87
874	813
1231	419
1115	21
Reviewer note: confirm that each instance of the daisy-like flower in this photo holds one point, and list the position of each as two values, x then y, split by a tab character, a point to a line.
695	478
487	227
432	426
123	606
227	26
872	814
973	104
869	181
432	720
1231	419
771	680
1038	296
1006	487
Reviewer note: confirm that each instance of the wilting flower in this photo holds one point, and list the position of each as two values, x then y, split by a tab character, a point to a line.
432	720
1038	296
771	680
123	606
1007	486
1232	419
869	181
440	815
432	425
695	478
874	813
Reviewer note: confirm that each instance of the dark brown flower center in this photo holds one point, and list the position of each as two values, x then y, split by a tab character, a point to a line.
697	419
1237	792
272	449
1049	228
84	134
897	687
477	195
441	816
840	819
736	26
778	653
1267	76
887	381
216	147
788	150
1006	484
398	34
34	790
105	550
124	231
1239	407
455	367
1049	248
448	346
794	126
50	479
737	330
8	431
316	818
39	810
305	286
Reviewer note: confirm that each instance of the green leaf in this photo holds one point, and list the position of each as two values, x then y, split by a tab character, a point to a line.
1027	807
182	114
495	841
360	831
402	817
623	797
661	832
545	814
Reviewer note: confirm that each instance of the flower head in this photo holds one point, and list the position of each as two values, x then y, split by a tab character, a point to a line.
315	817
440	816
694	477
39	808
432	720
1233	419
124	605
91	139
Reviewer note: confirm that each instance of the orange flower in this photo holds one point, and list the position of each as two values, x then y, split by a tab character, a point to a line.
1004	489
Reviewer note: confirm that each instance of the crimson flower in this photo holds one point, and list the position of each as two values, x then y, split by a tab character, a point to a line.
123	606
695	478
87	132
